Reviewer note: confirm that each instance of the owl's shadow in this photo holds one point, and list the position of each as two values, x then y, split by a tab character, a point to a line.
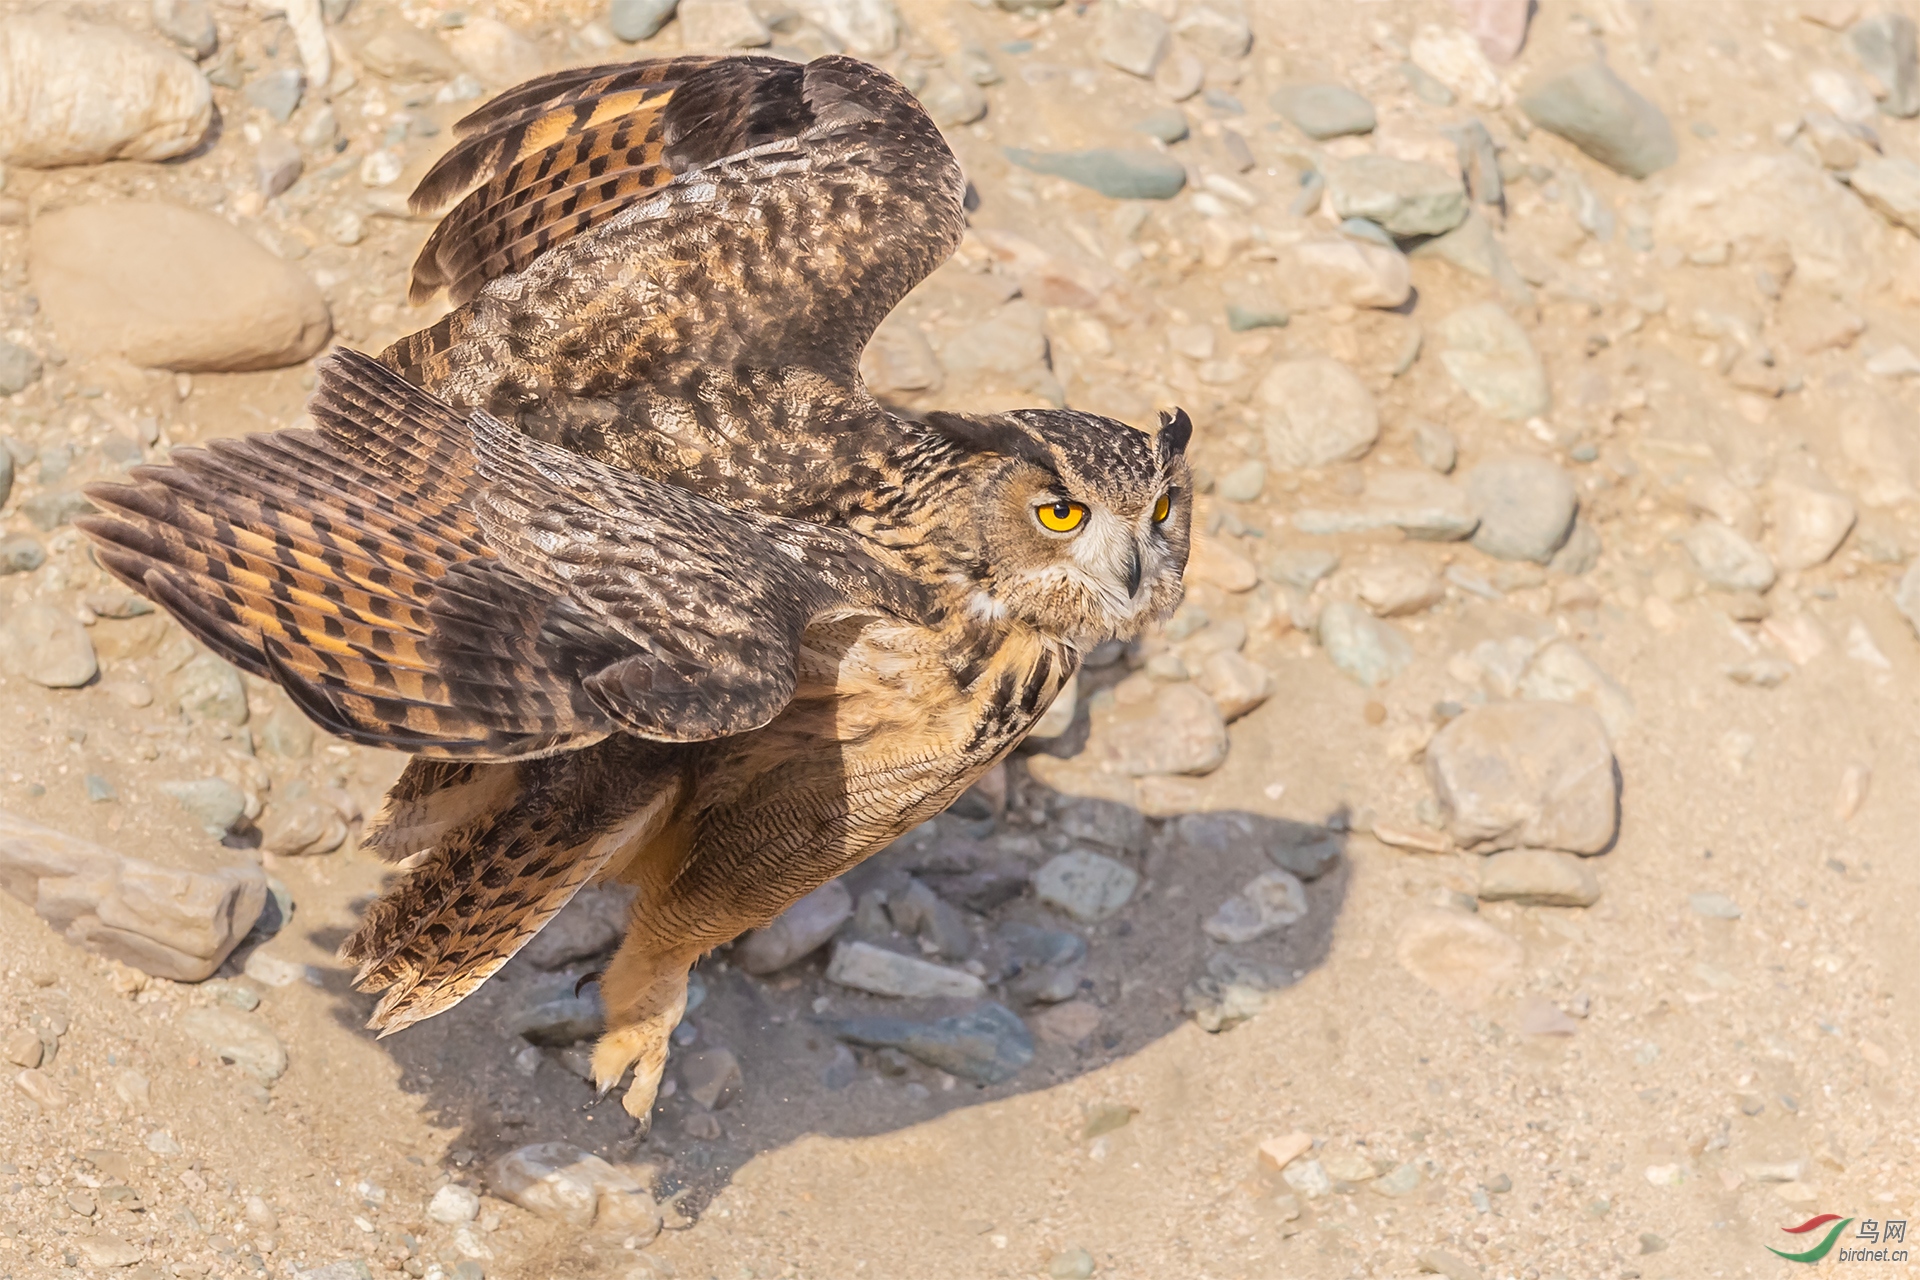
1148	968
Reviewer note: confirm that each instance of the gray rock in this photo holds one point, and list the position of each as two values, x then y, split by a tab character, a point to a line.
919	912
1044	965
1420	504
209	691
1492	359
396	50
561	1021
48	647
302	826
345	1269
49	511
189	24
1884	43
635	20
1243	483
217	804
1217	1003
1406	197
1402	1180
1132	38
454	1204
1726	560
1526	507
1538	878
1435	446
1087	886
277	164
1242	317
20	368
1579	553
1122	173
712	1078
20	554
1369	650
1714	906
865	967
238	1038
277	93
1559	672
797	932
1168	124
1425	85
1452	1266
1299	566
1268	903
1479	162
1597	111
1111	825
560	1182
1474	248
1539	774
1218	29
172	924
1892	187
866	28
1180	731
286	733
1396	584
1233	836
986	1045
1317	413
951	100
1324	110
1236	683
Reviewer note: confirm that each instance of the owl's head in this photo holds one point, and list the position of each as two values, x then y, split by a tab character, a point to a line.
1081	522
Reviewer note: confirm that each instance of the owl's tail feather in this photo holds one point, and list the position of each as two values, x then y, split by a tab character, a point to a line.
510	846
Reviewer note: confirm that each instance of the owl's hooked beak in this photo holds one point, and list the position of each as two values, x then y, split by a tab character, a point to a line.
1133	568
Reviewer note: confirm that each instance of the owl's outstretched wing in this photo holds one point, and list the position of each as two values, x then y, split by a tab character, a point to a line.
420	581
643	221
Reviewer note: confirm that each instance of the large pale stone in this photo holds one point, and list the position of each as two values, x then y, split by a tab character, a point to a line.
558	1180
1318	413
1532	773
73	92
1465	959
1754	199
796	932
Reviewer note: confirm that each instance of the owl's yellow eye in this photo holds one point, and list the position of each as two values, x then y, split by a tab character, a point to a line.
1061	516
1163	508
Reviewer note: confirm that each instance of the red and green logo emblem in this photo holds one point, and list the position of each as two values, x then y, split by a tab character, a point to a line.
1811	1225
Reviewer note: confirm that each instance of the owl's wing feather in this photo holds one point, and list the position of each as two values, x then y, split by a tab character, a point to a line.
540	602
715	212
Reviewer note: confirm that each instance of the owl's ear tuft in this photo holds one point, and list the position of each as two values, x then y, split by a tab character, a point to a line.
1176	429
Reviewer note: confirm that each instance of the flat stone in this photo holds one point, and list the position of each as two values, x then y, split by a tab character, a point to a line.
346	1269
1087	886
636	20
797	932
454	1204
1363	646
270	970
1216	28
108	1251
20	368
277	164
1758	197
304	827
1219	837
1324	111
1179	730
1132	38
1884	43
1122	173
1167	124
1492	359
1218	565
48	647
1070	1023
1395	585
1726	560
277	92
172	288
560	1182
1236	683
1299	567
866	28
1268	903
918	912
1317	412
55	508
495	52
1338	270
865	967
1243	483
189	24
1526	773
395	49
1461	957
1452	1266
1892	186
1560	672
711	1078
1406	197
588	926
1422	505
986	1045
1538	878
74	92
208	690
1088	820
1526	507
217	804
1275	1154
1309	1178
1714	906
1045	966
561	1021
1598	112
242	1039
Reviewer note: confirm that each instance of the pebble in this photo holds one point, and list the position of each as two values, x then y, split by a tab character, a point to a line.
1085	885
270	970
1597	111
561	1021
1122	173
1167	124
1243	483
48	647
49	511
1526	507
865	967
108	1251
1559	672
451	1205
1132	38
1420	504
636	20
1307	852
1884	43
217	804
867	28
1323	111
1046	964
1892	187
242	1039
24	1049
1369	650
1275	1154
919	912
1236	684
495	52
1440	1262
1454	58
395	49
74	92
1492	359
1268	903
277	164
172	288
797	932
20	368
277	92
1070	1264
559	1181
346	1269
1340	271
1177	729
985	1045
1218	30
209	690
1405	197
711	1078
1726	560
1309	1178
1215	563
1499	25
302	827
1538	878
1714	906
1435	446
1069	1023
1089	820
1318	412
1299	567
189	24
1393	585
1539	774
1461	957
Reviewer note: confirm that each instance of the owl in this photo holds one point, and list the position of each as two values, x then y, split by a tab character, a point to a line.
625	557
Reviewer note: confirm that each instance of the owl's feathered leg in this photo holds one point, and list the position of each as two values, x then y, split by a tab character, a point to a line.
645	993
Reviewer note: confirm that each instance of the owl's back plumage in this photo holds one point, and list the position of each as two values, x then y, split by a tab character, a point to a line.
624	554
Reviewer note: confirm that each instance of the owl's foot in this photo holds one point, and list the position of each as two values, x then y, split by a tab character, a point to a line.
643	1007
